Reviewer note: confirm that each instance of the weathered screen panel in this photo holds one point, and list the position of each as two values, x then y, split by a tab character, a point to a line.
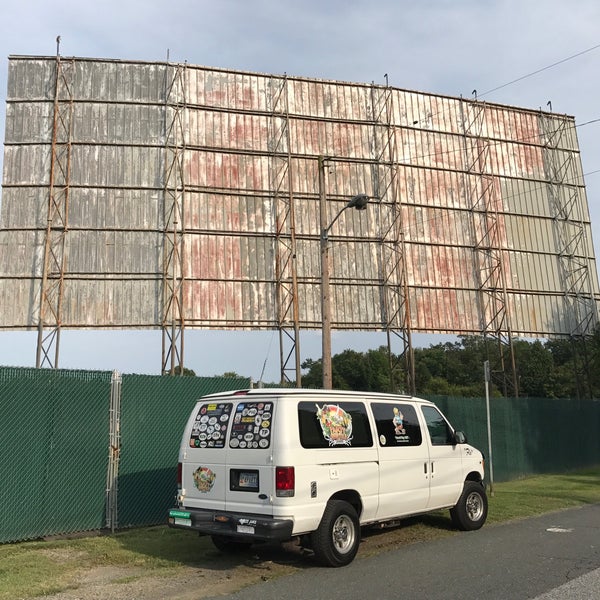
468	201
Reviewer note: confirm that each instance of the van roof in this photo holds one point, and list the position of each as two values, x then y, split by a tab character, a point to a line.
279	392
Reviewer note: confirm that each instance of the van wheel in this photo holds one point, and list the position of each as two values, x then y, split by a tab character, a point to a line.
229	545
336	541
471	509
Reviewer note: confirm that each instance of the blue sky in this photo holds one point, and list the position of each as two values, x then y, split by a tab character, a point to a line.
449	47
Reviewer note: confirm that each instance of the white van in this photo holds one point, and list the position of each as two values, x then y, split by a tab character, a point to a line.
275	464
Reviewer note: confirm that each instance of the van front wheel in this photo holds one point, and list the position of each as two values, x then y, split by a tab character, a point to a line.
336	541
471	509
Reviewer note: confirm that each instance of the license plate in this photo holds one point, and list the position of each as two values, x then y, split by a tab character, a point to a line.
181	514
181	517
245	529
248	480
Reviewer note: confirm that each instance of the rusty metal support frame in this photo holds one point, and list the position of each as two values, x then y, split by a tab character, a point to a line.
489	251
393	272
281	182
173	276
57	225
565	187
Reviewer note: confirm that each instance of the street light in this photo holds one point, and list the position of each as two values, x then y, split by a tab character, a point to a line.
359	202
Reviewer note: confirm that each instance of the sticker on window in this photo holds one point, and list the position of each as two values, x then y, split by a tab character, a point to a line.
251	425
336	424
210	426
399	430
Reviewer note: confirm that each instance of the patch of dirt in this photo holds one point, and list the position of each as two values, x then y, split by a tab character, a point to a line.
231	572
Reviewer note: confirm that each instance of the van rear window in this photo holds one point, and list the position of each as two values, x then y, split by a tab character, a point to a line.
210	426
339	425
251	426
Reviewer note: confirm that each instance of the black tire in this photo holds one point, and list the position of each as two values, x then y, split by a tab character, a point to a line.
336	541
229	545
471	509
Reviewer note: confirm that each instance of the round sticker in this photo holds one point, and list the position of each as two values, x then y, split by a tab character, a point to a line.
382	440
234	443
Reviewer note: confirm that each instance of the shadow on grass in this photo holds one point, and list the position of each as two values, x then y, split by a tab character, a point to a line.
174	547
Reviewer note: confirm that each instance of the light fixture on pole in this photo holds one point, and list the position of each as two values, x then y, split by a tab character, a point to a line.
359	202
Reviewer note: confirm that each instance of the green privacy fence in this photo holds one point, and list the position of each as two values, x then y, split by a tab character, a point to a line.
84	450
529	435
56	449
53	451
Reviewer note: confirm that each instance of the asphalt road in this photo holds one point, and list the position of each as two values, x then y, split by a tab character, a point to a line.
556	556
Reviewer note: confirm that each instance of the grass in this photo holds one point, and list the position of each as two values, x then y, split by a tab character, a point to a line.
40	568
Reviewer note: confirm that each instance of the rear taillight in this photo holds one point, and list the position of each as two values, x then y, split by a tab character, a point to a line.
285	482
179	475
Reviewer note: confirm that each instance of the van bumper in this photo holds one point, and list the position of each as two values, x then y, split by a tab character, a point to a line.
239	525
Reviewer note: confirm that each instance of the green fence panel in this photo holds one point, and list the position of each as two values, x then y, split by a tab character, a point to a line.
529	435
53	451
154	411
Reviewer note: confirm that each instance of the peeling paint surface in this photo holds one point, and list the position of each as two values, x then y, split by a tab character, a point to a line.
467	202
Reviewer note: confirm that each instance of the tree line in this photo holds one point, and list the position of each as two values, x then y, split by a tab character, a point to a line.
558	368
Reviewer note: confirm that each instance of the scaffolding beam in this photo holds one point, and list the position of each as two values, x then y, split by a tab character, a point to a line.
281	183
393	272
173	316
565	190
489	247
57	225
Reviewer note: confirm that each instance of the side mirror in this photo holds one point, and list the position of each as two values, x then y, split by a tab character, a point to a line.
460	437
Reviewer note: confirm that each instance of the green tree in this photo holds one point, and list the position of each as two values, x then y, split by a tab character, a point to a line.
186	372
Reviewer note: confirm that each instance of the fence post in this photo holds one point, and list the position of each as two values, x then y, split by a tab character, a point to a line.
114	451
486	370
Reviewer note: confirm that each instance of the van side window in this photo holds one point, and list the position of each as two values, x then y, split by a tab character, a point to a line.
440	432
339	425
397	424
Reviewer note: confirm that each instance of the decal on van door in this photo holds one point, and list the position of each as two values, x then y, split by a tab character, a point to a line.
204	479
336	424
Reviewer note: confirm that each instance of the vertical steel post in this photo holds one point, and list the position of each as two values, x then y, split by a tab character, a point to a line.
486	371
114	452
325	299
57	227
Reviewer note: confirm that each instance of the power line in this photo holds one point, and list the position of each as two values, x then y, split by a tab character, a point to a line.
540	70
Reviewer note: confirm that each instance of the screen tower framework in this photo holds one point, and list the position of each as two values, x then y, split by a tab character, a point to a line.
176	196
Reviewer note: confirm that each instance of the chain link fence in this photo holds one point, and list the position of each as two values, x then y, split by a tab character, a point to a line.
77	455
82	451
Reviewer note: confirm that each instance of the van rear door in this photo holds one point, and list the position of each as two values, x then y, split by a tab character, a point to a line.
250	470
227	464
204	468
